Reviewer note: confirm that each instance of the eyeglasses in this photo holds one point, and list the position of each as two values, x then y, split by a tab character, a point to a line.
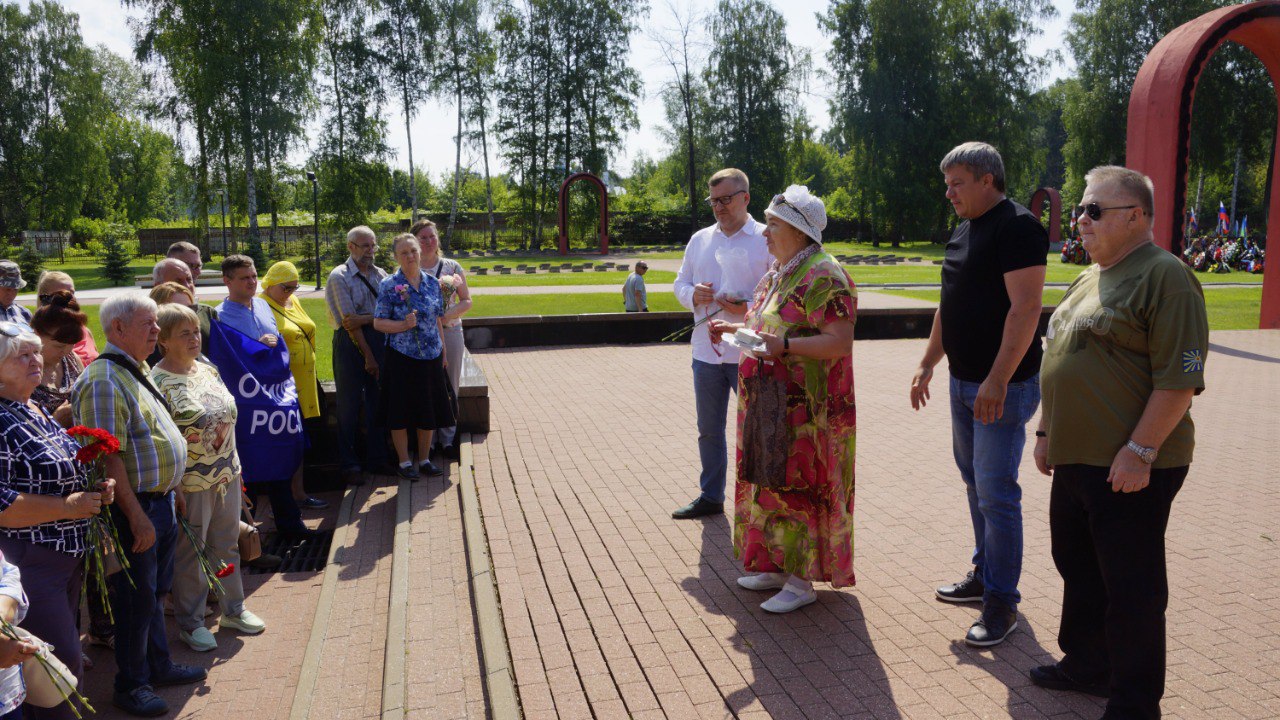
724	200
1094	211
12	330
289	288
779	200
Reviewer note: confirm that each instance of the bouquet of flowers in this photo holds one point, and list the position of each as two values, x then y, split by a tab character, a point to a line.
449	285
103	538
60	677
213	568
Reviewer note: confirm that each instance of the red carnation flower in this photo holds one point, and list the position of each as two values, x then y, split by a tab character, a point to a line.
226	570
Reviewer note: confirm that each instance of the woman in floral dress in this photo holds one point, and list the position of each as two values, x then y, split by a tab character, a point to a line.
793	521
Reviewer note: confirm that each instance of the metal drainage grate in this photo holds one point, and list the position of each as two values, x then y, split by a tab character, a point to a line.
308	555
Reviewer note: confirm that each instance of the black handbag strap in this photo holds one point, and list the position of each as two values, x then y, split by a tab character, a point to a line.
367	284
137	374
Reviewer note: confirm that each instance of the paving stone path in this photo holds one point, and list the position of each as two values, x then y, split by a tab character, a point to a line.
613	609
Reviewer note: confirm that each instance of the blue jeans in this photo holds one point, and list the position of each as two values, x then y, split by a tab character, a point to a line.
711	387
988	457
357	390
142	651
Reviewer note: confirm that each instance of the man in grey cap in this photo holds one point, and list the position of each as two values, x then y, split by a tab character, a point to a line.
10	283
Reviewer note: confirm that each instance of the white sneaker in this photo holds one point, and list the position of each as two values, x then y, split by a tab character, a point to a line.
763	581
789	599
200	639
246	622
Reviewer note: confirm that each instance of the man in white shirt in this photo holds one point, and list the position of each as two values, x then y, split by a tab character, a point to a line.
721	286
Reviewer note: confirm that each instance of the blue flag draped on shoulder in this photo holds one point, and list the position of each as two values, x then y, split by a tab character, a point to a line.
269	428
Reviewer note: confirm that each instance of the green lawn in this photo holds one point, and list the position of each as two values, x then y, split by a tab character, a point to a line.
1229	308
572	278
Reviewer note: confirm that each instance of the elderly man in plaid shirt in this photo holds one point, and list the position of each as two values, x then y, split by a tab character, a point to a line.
116	395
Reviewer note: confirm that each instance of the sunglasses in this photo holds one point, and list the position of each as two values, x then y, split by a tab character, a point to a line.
723	201
779	200
12	330
1094	211
289	288
48	297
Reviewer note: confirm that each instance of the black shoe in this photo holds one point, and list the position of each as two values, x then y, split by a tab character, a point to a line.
141	701
970	589
180	675
995	624
698	508
312	503
1053	677
452	452
408	473
265	561
430	469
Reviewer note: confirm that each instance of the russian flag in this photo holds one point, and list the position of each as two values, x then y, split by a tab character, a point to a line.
1224	222
1193	226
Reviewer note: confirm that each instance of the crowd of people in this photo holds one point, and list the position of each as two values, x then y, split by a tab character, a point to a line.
1113	376
1116	436
188	465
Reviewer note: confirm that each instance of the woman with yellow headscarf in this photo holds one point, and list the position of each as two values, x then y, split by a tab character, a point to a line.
299	333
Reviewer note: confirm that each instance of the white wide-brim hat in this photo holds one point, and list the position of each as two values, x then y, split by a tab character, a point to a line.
802	210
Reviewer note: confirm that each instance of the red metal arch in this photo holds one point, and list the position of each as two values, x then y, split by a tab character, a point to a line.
1159	136
1036	206
563	211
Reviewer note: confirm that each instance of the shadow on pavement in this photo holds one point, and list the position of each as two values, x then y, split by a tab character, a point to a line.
815	656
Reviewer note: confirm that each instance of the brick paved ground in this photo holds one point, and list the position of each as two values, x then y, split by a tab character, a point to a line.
248	676
442	665
349	681
613	609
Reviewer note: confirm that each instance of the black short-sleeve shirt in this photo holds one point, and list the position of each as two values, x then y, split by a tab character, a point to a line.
974	299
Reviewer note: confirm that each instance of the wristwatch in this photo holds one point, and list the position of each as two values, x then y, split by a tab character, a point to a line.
1146	454
786	345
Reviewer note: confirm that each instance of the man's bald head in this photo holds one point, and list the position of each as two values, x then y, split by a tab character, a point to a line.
173	270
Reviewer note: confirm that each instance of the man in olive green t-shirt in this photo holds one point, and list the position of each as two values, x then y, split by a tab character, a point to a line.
1124	355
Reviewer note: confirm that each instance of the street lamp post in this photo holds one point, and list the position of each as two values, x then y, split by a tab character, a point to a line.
315	212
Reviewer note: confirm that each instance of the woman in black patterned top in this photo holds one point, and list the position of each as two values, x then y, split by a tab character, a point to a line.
60	325
44	510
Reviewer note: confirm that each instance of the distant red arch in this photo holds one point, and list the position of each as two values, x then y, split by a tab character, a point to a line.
1159	137
563	211
1036	206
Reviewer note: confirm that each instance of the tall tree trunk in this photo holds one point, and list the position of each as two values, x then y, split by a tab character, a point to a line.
686	93
202	186
408	135
232	246
250	171
488	181
457	166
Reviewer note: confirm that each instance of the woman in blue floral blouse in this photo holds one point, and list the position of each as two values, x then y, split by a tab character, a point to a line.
415	389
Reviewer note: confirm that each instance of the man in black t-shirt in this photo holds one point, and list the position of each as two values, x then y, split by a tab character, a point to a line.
988	327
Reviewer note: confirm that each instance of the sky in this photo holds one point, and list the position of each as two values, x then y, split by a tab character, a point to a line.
105	22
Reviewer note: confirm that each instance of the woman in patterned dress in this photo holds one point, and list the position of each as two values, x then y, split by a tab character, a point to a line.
793	521
414	386
44	506
210	492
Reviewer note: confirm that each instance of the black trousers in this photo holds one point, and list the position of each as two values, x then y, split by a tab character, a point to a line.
1109	549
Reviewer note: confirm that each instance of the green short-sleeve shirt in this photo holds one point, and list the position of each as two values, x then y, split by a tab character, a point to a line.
1117	335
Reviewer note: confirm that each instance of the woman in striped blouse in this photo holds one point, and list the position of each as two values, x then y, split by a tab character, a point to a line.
44	507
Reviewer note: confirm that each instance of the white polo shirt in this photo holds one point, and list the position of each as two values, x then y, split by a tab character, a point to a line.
700	266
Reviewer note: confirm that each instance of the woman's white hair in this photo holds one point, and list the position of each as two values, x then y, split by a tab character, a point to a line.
10	346
123	306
